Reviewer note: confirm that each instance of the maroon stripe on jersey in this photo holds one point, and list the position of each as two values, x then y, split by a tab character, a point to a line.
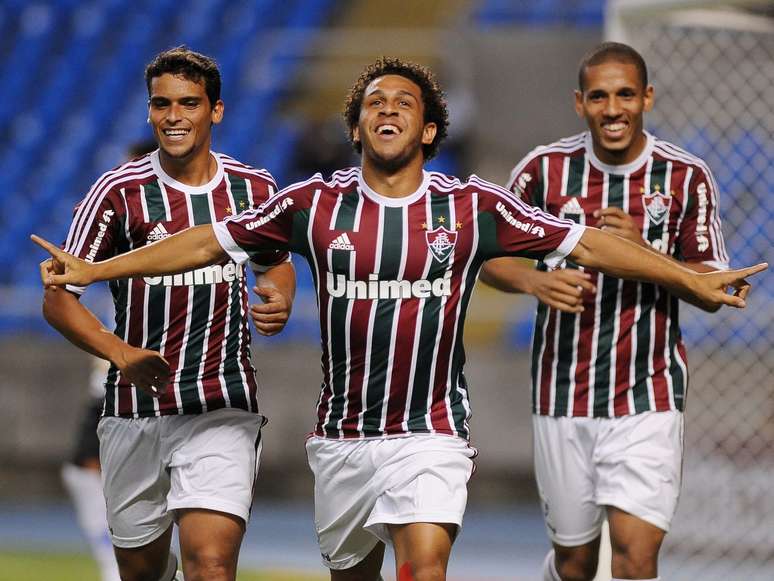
126	176
211	380
463	210
546	365
323	211
555	172
406	333
582	366
623	347
661	397
360	313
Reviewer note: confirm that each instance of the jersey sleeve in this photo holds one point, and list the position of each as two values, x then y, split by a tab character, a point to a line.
525	180
253	233
510	227
700	238
96	231
263	189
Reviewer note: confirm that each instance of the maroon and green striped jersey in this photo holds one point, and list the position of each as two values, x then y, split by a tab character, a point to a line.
624	353
197	320
394	278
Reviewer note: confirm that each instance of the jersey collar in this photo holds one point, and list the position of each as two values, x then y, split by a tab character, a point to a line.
628	168
185	188
393	202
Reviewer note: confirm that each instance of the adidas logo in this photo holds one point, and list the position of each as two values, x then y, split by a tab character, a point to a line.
341	243
572	207
158	233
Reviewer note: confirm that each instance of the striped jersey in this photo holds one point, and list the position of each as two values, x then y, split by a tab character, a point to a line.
197	320
624	353
394	278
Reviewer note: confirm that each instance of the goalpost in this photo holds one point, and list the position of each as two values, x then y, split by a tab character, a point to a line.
712	66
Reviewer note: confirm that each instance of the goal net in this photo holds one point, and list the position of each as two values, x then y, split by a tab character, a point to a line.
712	66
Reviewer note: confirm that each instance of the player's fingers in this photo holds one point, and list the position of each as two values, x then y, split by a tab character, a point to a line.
269	330
577	278
610	212
45	244
742	273
742	290
267	308
267	293
565	306
571	298
732	301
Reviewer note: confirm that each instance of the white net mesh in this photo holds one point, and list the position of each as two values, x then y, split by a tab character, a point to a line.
715	97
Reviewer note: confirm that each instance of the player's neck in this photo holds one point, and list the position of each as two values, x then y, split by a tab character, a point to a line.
624	156
394	184
195	170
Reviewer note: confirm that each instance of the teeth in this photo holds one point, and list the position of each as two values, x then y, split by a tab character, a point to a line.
387	128
615	126
175	132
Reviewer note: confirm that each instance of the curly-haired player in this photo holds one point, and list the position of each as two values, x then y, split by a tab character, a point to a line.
395	252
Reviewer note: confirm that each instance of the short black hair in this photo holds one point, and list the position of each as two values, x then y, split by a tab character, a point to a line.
612	51
193	66
432	98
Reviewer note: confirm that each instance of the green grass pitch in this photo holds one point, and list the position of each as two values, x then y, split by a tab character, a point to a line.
32	566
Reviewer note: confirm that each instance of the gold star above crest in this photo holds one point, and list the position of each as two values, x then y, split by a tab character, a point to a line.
657	188
229	210
441	220
424	226
242	204
459	225
642	190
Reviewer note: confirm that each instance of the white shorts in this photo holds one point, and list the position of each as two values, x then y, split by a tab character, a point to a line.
153	466
582	465
361	486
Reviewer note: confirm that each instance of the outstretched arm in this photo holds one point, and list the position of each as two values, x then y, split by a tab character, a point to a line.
621	258
187	250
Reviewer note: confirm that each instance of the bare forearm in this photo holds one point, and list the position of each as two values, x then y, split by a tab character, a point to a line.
187	250
509	275
77	324
621	258
282	277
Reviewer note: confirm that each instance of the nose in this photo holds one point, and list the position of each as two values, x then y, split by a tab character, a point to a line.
612	107
388	109
173	113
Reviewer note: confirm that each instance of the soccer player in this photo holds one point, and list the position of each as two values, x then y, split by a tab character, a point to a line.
609	372
394	251
180	433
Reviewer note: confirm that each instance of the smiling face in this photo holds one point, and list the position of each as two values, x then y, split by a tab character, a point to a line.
391	126
612	102
181	116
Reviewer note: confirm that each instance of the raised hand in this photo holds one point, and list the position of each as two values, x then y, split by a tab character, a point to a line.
712	287
62	268
616	221
562	289
146	369
271	316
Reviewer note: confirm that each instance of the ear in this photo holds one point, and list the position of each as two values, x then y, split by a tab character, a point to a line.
579	103
428	133
217	112
355	134
649	98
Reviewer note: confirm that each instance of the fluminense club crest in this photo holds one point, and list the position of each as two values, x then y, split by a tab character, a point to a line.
657	205
441	242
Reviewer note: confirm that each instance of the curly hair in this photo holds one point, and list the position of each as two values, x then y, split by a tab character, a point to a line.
188	64
432	98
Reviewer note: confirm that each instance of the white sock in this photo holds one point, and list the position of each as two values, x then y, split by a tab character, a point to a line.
85	489
549	568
